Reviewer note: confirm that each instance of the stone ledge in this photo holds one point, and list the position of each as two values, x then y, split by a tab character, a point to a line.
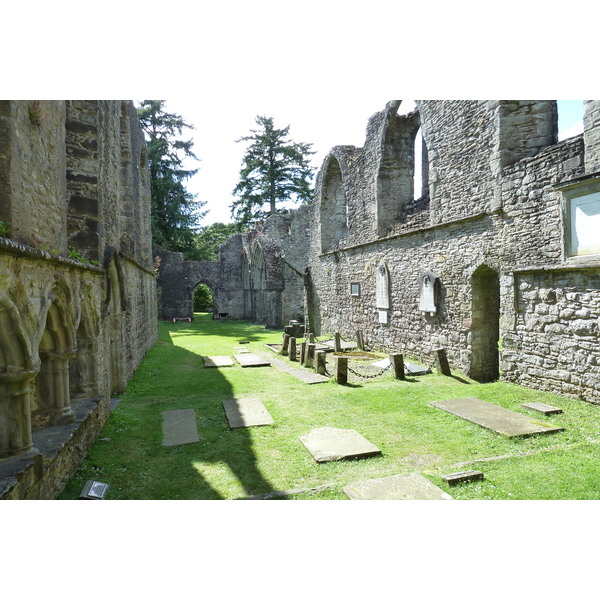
57	453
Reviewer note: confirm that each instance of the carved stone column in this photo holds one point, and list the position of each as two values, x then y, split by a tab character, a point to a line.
54	397
15	413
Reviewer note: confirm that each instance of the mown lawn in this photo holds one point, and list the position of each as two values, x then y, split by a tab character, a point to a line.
393	415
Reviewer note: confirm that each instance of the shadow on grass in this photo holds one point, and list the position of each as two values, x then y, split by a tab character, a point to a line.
223	464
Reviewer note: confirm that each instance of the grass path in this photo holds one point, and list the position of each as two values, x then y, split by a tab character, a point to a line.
393	415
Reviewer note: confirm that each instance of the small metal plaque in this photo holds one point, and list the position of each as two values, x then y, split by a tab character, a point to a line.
93	490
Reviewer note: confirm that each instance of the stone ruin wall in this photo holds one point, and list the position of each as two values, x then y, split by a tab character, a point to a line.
492	207
258	277
72	175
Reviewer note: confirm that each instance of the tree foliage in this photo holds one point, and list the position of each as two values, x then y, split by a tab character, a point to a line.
274	170
202	298
175	213
207	242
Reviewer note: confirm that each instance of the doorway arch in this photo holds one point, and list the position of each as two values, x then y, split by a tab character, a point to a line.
485	329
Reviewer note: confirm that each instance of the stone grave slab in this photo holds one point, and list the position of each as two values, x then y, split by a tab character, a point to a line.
397	487
252	360
218	361
409	368
343	344
545	409
246	412
462	476
328	444
501	420
179	427
304	375
242	350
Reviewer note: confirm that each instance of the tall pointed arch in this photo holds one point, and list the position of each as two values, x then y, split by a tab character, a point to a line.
334	209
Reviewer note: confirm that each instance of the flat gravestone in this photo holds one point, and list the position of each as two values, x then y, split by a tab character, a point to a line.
242	350
397	487
179	427
498	419
218	361
343	344
304	375
545	409
252	360
328	443
246	412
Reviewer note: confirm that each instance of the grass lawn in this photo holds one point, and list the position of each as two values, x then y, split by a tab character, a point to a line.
393	415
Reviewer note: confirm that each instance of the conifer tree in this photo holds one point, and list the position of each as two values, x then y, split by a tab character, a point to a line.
175	213
274	170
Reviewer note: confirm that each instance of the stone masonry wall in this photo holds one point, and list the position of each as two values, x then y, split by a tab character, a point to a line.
72	175
495	217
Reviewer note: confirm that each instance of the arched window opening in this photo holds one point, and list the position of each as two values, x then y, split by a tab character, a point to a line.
570	118
334	210
402	169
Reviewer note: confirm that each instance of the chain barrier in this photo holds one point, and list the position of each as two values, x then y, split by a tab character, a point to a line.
364	376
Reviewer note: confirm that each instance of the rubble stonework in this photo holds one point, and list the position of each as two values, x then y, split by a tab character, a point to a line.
259	275
487	219
73	174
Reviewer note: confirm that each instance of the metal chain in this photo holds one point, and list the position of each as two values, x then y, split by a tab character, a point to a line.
362	376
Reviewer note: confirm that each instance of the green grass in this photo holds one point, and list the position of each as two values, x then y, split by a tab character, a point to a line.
393	415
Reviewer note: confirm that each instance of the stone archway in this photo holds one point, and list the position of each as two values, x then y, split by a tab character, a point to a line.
52	399
83	369
485	329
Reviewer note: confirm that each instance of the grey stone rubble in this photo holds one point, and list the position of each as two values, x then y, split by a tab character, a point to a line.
252	360
545	409
246	412
218	361
498	419
179	427
397	487
327	444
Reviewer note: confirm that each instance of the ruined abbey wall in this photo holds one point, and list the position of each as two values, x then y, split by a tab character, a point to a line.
462	225
259	275
77	287
493	226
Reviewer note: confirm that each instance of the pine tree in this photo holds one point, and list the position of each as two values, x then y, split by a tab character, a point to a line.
274	170
175	213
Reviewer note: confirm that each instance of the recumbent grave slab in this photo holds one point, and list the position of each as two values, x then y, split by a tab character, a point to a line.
246	412
252	360
498	419
545	409
397	487
328	443
218	361
179	427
